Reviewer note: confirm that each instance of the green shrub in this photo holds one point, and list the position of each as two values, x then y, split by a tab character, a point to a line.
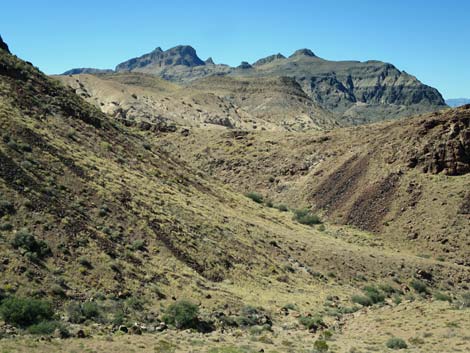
269	204
85	262
138	244
419	286
320	346
47	328
442	297
304	216
396	343
6	207
78	313
374	294
255	197
91	310
311	322
362	300
282	208
6	227
25	240
25	312
182	314
464	301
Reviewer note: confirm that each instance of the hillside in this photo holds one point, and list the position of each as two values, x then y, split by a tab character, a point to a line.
356	92
105	221
216	102
381	178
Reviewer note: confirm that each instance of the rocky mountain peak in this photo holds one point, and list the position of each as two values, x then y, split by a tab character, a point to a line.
209	61
3	45
184	55
269	59
303	52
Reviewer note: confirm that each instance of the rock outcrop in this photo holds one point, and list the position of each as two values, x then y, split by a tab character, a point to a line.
3	45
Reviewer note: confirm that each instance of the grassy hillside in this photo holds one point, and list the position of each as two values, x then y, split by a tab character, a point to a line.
381	178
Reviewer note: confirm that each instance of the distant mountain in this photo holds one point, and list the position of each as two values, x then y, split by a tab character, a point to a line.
87	70
457	102
356	92
181	55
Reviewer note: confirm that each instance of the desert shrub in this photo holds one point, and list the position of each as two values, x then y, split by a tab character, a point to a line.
6	207
282	208
6	227
304	216
269	204
442	297
464	301
362	300
25	240
25	312
47	328
388	289
290	306
251	316
91	310
320	346
312	322
419	286
182	314
85	262
375	295
255	197
80	312
396	343
147	146
138	244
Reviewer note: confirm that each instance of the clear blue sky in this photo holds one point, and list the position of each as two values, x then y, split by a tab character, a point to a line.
427	38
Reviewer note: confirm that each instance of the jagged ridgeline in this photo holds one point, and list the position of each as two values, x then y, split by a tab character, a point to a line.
356	92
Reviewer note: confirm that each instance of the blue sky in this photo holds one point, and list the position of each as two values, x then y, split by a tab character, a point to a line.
427	38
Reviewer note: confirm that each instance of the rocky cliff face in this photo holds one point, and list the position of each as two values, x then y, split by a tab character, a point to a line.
181	55
3	45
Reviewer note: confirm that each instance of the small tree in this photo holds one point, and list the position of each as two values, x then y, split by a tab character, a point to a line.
182	314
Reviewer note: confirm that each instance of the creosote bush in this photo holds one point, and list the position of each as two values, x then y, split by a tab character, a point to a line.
419	286
25	240
255	197
304	216
396	343
24	312
182	314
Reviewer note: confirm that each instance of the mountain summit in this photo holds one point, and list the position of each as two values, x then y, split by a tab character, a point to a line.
184	55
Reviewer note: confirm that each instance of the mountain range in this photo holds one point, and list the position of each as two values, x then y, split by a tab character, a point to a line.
355	92
457	102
